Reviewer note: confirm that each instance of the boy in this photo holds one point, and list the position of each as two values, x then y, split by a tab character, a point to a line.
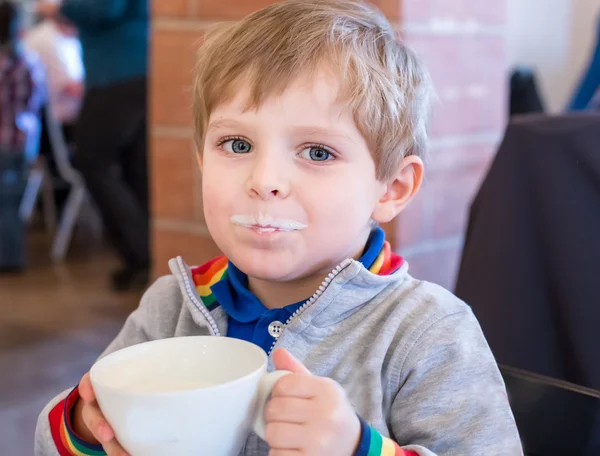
311	120
111	133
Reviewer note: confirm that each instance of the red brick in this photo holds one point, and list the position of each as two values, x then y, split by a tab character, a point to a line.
451	194
439	207
417	10
495	12
173	59
438	266
169	8
195	249
173	179
469	75
449	158
229	9
391	8
414	224
484	12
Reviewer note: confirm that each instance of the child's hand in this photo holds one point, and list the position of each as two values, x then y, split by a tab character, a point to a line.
309	415
90	424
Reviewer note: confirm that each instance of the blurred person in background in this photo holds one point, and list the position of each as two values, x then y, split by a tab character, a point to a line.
56	42
21	81
111	130
21	95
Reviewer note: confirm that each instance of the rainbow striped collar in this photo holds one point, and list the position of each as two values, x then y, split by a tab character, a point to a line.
386	263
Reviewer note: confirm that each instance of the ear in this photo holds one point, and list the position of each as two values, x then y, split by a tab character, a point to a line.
400	190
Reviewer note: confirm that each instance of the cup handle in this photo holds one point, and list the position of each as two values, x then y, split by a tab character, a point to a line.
265	387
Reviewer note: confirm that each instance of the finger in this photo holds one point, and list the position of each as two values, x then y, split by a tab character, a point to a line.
285	436
96	423
288	410
285	453
86	391
299	386
113	448
284	360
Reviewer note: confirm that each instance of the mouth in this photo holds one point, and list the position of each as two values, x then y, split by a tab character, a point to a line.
266	229
264	224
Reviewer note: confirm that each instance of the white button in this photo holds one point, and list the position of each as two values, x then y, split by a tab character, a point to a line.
275	329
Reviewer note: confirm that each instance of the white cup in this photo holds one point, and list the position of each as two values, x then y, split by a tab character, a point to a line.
185	396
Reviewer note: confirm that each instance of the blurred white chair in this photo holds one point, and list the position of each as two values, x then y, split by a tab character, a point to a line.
38	179
77	194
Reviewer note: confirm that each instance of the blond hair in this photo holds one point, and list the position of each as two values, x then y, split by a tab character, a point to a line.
385	85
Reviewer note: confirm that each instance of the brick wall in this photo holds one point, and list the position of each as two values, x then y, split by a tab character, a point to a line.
178	227
462	42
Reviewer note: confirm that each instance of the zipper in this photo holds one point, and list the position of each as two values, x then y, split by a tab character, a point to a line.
192	295
332	275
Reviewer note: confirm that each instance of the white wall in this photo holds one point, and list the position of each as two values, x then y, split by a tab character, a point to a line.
557	38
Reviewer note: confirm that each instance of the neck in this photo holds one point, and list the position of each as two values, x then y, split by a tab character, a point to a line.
275	295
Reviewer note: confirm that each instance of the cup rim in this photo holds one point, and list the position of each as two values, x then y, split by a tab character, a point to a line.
117	390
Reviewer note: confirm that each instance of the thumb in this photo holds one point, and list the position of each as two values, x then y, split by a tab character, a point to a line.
284	360
86	392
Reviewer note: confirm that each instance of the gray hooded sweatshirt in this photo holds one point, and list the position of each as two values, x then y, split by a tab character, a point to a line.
410	355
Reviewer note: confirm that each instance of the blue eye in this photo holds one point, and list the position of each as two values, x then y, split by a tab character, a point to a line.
237	146
316	153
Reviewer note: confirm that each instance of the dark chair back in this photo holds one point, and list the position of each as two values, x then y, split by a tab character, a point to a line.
524	94
554	418
531	255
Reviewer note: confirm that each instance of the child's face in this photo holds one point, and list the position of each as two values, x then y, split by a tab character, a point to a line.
289	189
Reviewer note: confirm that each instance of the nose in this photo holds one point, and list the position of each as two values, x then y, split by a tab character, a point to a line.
267	178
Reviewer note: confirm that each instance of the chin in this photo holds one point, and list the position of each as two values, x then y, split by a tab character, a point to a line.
265	265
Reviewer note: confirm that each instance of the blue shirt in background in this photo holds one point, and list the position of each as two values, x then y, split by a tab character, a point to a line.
114	38
590	82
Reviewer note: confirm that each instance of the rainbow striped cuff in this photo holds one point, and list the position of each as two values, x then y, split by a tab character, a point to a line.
67	442
372	443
